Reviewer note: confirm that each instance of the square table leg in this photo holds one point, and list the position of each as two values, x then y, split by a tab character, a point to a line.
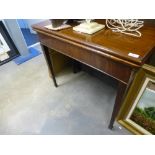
49	63
121	93
118	102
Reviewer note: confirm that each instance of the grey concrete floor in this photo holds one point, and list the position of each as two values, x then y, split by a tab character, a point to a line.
30	104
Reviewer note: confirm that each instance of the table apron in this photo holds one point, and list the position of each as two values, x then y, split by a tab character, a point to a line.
115	69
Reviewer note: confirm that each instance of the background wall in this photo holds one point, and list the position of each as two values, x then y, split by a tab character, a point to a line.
22	23
13	26
27	23
30	22
16	35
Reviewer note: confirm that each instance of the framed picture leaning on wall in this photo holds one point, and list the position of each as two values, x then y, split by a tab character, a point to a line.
138	111
8	50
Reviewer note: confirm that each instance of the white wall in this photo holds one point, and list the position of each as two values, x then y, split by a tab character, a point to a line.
16	35
22	23
27	23
30	22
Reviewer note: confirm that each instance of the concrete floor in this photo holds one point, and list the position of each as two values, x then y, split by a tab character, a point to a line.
30	104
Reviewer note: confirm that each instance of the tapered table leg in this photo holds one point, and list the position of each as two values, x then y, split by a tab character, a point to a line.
49	63
118	102
121	93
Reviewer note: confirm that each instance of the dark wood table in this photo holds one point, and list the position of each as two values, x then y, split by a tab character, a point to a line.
105	51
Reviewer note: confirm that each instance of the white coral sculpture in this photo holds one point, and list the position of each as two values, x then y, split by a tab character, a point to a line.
126	26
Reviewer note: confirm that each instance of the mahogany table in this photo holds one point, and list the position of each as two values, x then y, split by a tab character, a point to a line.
105	51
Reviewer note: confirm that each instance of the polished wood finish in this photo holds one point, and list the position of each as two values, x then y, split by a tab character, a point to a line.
107	43
118	102
49	63
110	67
105	51
121	93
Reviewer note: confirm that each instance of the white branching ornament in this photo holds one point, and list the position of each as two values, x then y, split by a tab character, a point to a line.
126	26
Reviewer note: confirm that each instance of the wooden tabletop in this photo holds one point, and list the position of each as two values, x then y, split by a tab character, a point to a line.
112	43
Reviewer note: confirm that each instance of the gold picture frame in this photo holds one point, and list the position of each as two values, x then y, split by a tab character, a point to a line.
137	113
